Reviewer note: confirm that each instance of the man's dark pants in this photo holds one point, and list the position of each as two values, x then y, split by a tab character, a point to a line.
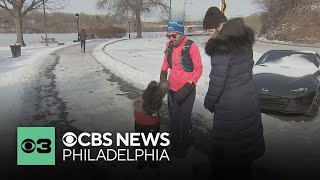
83	44
180	121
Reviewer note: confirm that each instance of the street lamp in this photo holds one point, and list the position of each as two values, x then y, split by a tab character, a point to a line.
129	28
77	18
170	15
184	9
45	22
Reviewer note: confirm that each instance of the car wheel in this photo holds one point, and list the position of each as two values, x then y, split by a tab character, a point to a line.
312	112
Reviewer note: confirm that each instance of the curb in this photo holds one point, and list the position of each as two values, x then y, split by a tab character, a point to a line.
288	43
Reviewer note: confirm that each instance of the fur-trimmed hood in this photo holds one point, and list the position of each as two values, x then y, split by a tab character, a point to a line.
234	37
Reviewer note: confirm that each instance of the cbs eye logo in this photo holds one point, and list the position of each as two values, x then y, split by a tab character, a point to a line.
42	146
69	139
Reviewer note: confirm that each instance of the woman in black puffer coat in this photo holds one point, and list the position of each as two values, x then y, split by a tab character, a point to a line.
237	134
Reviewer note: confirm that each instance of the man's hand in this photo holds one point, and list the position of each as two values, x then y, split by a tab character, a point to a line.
163	76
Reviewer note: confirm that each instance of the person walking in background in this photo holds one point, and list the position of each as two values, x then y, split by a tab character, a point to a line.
83	38
237	134
182	57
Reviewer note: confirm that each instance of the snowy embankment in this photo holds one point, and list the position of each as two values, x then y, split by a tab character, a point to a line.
130	73
35	39
21	69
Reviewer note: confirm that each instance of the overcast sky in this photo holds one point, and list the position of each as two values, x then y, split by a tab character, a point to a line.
195	9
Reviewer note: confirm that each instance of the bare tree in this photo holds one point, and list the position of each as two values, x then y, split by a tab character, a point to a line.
274	10
19	8
284	5
134	7
278	12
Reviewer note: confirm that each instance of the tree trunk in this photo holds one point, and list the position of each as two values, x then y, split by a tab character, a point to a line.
18	23
138	20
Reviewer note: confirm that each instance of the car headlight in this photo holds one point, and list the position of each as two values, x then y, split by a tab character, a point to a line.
300	90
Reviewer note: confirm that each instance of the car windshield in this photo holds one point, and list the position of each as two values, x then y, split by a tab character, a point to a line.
288	59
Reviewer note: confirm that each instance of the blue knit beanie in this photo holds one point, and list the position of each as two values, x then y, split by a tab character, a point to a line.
176	25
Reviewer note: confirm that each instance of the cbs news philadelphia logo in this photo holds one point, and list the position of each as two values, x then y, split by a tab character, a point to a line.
36	146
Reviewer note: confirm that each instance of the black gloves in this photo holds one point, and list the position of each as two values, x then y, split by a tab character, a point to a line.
183	92
163	76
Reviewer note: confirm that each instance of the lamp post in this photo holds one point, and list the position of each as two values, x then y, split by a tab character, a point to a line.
77	18
129	23
45	22
184	9
170	15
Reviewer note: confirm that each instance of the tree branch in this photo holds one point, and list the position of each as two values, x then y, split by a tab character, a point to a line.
9	1
5	7
130	5
34	5
158	4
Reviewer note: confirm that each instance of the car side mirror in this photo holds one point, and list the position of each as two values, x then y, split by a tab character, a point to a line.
317	74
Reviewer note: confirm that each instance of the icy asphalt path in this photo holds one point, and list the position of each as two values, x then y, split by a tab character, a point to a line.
91	96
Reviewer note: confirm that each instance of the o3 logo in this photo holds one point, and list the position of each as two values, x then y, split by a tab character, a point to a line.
36	146
28	146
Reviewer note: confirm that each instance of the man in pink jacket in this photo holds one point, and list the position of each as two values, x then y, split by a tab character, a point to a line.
182	57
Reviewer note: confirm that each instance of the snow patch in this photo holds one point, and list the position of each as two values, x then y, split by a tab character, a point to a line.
21	69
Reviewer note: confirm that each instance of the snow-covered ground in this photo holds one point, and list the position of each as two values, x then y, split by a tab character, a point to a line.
19	69
7	39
